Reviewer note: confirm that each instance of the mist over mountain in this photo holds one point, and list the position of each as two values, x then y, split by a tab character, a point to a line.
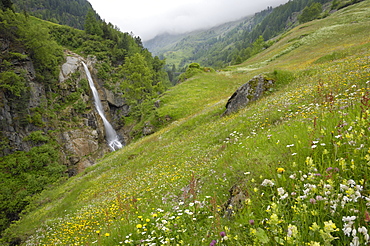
148	19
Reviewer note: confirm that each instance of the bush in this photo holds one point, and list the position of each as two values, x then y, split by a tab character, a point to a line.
12	82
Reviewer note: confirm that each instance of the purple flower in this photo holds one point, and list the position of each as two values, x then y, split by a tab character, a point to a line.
329	169
312	200
222	234
251	222
213	243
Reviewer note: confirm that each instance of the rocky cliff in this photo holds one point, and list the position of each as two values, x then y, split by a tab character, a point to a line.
65	112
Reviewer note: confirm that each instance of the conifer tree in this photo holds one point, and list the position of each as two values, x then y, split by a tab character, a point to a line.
137	84
6	4
92	25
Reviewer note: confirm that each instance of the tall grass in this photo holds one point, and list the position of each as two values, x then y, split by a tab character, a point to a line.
290	169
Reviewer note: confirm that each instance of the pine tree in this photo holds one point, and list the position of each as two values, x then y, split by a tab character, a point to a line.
92	25
137	84
6	4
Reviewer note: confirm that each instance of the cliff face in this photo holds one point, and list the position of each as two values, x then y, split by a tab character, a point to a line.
65	112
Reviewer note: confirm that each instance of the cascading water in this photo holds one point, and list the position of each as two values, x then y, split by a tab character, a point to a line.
112	137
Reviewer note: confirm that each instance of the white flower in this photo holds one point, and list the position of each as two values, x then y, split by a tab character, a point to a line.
268	182
351	182
281	191
347	230
284	196
292	176
355	242
348	218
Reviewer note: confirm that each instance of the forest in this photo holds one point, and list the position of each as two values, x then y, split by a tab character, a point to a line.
244	41
26	38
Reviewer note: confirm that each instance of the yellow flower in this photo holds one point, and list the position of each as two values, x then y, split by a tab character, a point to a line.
280	170
107	234
138	226
97	231
147	220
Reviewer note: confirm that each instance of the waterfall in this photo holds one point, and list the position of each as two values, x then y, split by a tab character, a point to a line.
112	137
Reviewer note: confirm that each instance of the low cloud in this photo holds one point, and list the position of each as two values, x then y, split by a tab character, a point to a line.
150	18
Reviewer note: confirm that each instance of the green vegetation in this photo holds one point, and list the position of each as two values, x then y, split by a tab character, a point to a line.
221	46
26	174
290	169
310	13
12	82
71	13
138	85
32	43
192	70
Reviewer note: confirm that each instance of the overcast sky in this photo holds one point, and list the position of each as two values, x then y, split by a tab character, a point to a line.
148	18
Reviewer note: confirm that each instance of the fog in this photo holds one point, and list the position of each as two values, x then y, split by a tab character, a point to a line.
148	18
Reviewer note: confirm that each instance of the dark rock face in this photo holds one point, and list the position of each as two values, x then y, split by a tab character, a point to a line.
68	112
249	92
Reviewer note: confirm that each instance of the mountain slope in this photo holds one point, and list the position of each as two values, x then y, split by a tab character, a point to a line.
70	13
235	43
181	49
291	168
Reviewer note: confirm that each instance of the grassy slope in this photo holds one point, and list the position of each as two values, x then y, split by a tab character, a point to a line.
200	156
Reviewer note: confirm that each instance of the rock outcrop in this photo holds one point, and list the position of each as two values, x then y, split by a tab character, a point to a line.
65	112
249	92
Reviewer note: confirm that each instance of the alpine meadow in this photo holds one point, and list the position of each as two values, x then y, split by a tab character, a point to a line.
290	168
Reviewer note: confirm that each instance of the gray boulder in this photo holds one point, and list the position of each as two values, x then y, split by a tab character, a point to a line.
249	92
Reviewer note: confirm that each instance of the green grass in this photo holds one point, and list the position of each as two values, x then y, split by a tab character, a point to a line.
309	138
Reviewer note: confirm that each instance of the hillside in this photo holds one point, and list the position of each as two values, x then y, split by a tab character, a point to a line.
179	48
70	13
234	42
289	169
49	127
182	49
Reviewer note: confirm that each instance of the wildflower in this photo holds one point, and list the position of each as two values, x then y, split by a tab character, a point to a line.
222	234
329	226
292	231
319	198
97	232
281	191
213	243
267	182
107	234
280	170
138	226
314	227
251	222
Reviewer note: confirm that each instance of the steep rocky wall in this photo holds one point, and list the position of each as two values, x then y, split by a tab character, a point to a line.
66	113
